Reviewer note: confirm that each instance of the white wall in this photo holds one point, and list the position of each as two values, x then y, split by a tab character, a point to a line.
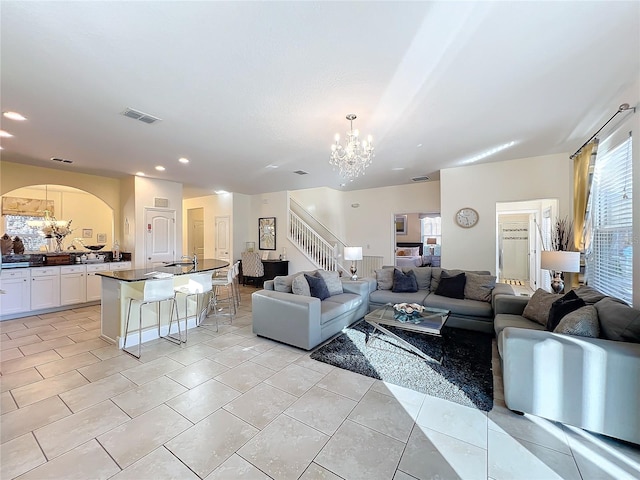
146	190
481	187
241	224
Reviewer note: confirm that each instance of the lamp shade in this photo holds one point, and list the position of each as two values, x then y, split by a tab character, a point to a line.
431	241
560	261
353	253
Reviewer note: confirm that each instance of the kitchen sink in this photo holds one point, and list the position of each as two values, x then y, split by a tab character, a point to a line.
179	264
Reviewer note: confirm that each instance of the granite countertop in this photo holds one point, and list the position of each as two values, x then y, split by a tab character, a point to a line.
141	274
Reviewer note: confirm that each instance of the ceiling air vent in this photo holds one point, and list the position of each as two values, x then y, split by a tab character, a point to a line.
138	115
301	172
423	178
61	160
161	202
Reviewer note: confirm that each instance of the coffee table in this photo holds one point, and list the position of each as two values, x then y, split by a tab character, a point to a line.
430	322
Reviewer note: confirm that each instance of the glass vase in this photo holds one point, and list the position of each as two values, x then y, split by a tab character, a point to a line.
58	244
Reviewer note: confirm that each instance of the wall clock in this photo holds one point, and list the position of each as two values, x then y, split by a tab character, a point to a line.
467	217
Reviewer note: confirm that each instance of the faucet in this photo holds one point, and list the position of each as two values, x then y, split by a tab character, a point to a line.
194	260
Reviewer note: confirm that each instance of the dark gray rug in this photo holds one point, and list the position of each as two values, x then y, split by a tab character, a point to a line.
465	376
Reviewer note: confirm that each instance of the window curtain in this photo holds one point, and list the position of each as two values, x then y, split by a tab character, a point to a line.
583	165
27	207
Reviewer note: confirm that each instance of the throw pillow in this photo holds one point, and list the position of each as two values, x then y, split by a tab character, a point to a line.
564	305
384	277
423	276
300	286
436	272
400	253
317	287
283	284
451	286
332	279
582	322
479	287
538	306
618	321
414	251
404	282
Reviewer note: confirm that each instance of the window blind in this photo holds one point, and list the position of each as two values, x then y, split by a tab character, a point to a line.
610	254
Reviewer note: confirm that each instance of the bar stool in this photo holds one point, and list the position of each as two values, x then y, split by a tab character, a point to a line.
155	291
229	300
199	286
236	282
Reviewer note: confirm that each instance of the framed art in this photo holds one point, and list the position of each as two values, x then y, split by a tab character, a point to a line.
267	233
401	224
87	233
101	238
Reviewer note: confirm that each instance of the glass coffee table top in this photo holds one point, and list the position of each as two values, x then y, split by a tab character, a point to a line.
429	322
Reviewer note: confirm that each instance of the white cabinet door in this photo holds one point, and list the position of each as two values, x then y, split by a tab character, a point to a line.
94	282
73	285
17	296
120	266
45	287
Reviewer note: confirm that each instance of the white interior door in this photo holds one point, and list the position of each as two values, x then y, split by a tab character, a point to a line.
223	243
160	240
195	232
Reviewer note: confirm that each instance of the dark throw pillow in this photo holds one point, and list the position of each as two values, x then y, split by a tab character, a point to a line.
404	282
451	286
567	304
538	306
317	287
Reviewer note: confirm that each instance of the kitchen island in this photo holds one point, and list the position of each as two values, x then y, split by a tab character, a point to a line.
117	286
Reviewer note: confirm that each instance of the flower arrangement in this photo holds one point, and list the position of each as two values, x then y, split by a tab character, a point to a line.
57	230
408	312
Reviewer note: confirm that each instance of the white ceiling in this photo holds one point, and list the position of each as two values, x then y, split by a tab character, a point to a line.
243	85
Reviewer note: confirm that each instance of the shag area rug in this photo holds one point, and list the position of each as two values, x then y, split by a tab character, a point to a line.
465	376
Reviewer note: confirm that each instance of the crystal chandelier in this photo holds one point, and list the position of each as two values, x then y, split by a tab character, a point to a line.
355	156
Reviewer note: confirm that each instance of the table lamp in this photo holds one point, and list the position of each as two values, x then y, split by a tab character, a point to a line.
353	254
559	262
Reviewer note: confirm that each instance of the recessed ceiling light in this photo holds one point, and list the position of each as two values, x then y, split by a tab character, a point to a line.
140	174
343	184
5	134
220	192
397	169
14	116
160	168
271	166
183	160
419	145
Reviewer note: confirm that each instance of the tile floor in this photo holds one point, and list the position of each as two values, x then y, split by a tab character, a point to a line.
231	405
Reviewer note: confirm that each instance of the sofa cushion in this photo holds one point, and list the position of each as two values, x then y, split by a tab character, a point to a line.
618	321
300	286
382	297
589	295
384	278
404	282
561	307
436	272
332	280
582	322
317	287
423	276
451	286
504	320
350	300
472	308
479	287
283	283
539	305
330	310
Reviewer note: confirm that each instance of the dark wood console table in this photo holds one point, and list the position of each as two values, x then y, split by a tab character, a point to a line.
272	268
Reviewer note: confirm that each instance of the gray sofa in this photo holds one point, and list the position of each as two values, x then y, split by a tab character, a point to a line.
465	313
304	321
591	383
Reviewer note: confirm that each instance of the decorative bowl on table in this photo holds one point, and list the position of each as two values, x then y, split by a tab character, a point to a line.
408	312
95	248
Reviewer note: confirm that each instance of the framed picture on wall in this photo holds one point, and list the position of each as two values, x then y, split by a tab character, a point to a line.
267	233
101	238
87	233
401	224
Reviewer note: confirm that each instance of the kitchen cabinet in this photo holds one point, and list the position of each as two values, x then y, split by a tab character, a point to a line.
120	266
17	296
94	282
73	284
45	287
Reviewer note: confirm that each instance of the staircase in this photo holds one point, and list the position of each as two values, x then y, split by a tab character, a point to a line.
321	247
